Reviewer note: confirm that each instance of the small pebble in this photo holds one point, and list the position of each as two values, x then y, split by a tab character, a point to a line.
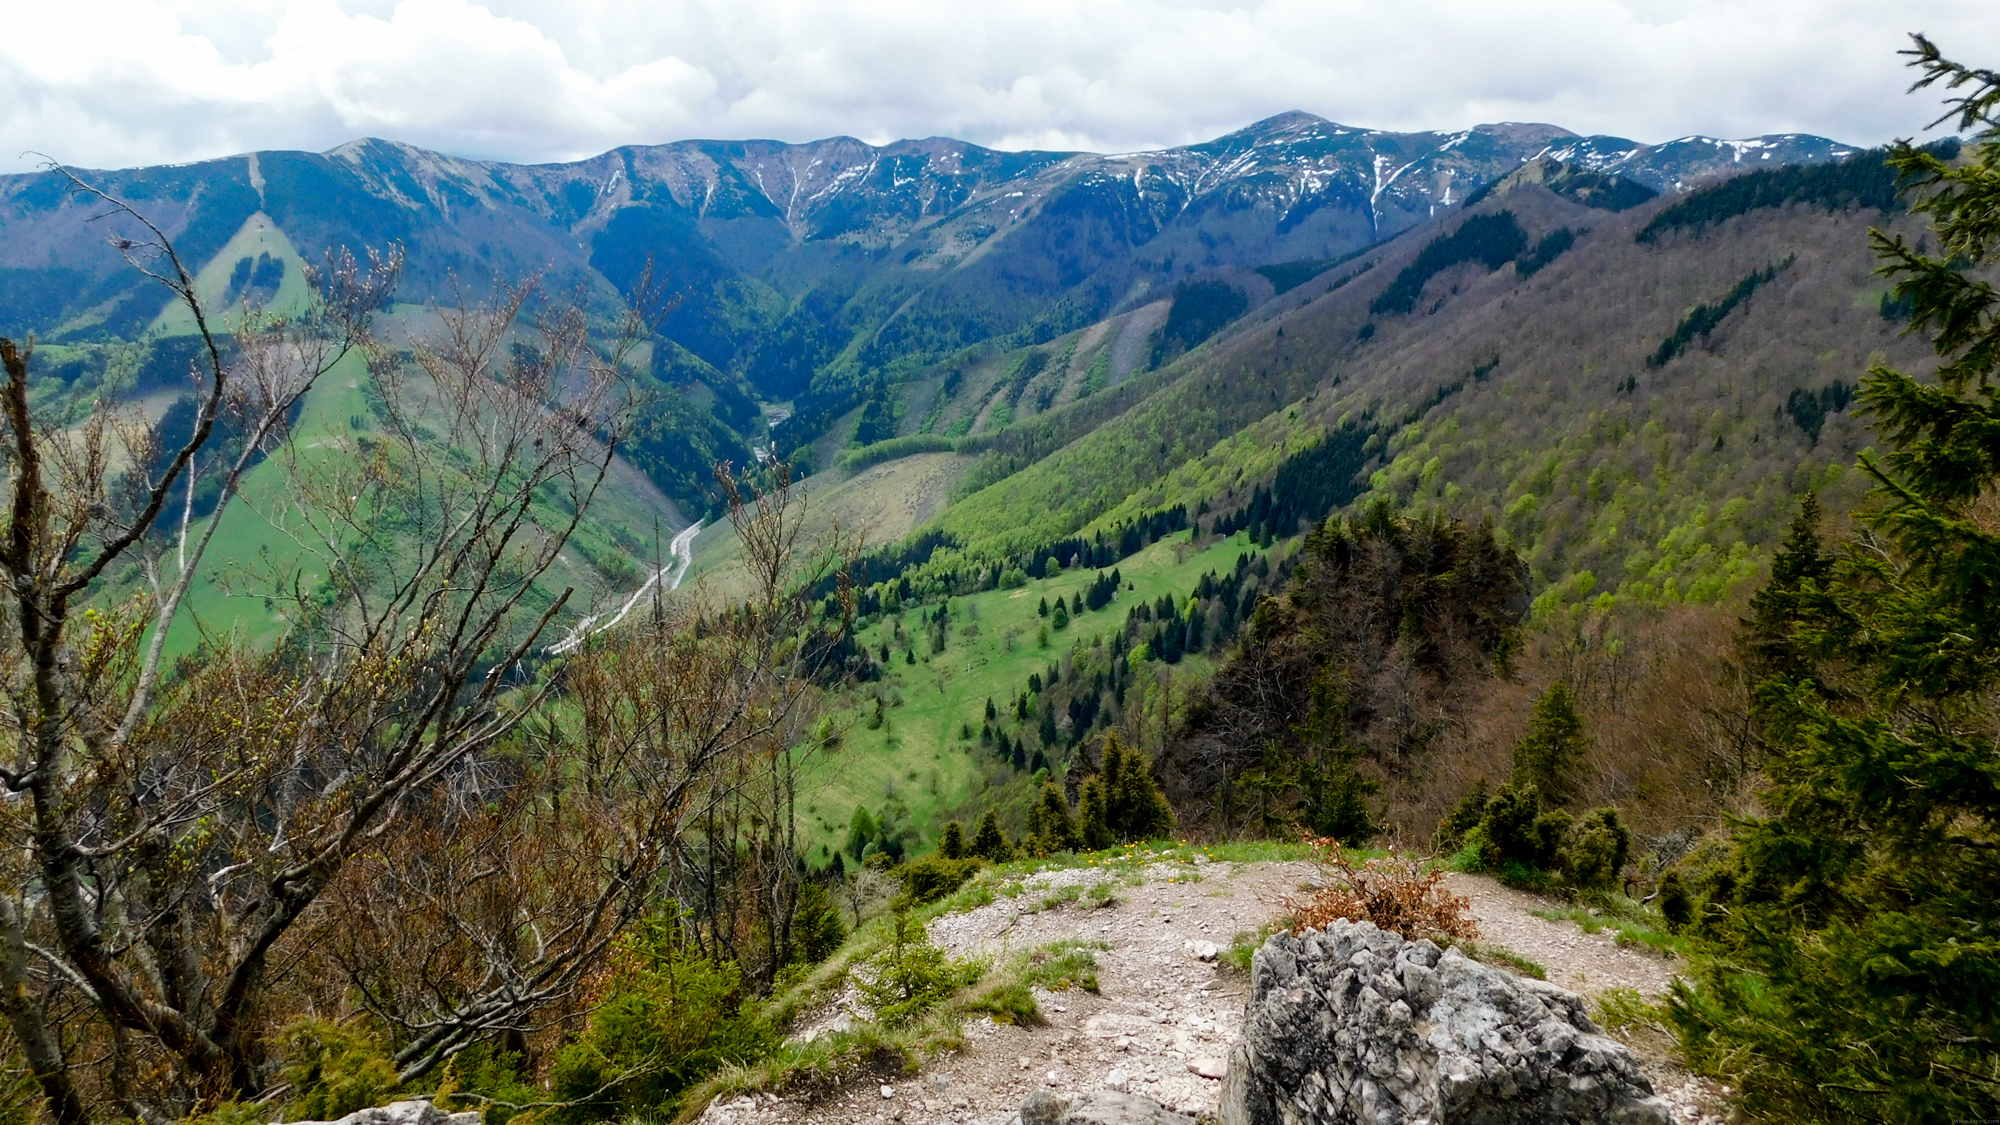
888	1091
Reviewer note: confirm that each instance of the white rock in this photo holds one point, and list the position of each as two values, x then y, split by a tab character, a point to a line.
1207	1068
888	1092
1117	1080
1201	950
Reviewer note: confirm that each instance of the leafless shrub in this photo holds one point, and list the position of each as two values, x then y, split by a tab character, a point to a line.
1405	895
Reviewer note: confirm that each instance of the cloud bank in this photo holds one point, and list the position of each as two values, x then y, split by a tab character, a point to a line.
126	82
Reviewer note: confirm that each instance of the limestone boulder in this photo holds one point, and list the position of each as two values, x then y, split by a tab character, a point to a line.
1353	1024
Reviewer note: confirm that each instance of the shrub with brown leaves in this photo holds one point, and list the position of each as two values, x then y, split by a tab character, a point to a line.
1406	896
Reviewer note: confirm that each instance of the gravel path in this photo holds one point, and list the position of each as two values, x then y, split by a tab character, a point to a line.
1165	1016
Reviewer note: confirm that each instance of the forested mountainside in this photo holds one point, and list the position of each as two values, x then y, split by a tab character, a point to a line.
1636	396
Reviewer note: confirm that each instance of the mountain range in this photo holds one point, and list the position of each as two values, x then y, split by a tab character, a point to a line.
804	267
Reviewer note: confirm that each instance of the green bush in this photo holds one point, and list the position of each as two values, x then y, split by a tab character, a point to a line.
483	1077
334	1069
910	975
669	1017
1594	850
933	877
1463	818
1676	906
1514	829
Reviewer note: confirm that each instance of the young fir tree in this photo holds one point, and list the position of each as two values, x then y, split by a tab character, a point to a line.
989	843
1135	807
951	843
1858	977
1093	819
1551	755
1055	828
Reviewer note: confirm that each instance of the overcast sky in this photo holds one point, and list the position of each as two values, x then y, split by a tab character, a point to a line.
109	83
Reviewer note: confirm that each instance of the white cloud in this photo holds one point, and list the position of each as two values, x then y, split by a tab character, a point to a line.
120	82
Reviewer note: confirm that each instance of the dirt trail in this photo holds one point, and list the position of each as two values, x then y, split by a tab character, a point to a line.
1164	1018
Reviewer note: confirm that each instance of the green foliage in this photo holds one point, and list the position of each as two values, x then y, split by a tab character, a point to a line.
20	1110
1704	319
1276	740
1463	818
1199	311
1809	409
1550	757
1866	179
893	448
935	876
1856	971
334	1069
1515	829
483	1077
1491	240
1092	816
1545	250
1594	850
816	928
911	975
1053	828
989	843
1676	906
1135	809
951	843
669	1017
861	828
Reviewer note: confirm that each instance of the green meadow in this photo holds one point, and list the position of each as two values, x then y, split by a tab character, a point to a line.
919	755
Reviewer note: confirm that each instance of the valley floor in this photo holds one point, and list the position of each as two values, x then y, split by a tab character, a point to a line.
1164	1017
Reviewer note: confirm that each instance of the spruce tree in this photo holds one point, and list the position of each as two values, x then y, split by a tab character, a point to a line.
1137	808
1550	756
951	844
989	843
1858	974
1092	814
1055	828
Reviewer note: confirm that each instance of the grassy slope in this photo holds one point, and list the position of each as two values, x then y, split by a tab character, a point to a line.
258	235
917	755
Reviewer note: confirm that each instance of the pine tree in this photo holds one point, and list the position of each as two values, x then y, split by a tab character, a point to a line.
951	844
1550	756
1858	975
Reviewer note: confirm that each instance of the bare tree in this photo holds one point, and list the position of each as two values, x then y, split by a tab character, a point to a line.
172	836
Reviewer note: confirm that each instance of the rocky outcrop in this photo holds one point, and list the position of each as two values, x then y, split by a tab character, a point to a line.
1101	1107
413	1112
1355	1025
